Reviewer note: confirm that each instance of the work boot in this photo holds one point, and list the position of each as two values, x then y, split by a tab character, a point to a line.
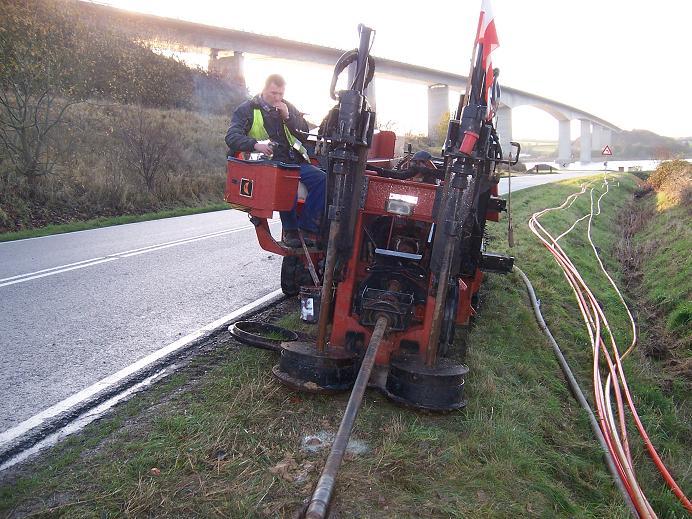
291	239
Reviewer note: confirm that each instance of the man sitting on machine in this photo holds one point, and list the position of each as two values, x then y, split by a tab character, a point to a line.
268	124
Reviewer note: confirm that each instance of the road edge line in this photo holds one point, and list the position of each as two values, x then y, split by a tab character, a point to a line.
28	433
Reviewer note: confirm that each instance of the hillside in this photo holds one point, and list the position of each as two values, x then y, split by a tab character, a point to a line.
654	252
94	122
626	145
643	144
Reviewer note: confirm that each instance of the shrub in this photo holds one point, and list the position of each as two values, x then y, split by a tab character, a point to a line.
674	180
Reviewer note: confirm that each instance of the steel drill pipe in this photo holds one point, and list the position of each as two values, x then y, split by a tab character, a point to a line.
327	282
325	486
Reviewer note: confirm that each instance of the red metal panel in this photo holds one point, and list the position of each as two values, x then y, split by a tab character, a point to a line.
379	189
493	216
261	187
382	145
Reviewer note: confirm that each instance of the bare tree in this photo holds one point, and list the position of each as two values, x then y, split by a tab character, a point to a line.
28	122
148	144
33	102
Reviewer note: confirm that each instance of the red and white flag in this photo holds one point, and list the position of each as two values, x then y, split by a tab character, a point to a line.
486	35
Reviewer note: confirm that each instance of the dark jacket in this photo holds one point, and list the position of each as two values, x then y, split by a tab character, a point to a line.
241	122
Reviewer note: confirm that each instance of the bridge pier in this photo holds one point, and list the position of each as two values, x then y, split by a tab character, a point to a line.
229	68
371	94
504	129
597	137
564	147
438	106
585	141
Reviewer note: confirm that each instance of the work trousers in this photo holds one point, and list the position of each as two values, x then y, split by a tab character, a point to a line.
315	181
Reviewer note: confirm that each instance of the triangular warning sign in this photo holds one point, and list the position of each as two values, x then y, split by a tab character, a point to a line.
607	151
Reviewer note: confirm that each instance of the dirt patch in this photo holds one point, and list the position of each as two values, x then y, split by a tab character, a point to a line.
632	220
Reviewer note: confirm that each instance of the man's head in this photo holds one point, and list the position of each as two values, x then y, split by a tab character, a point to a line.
274	88
421	158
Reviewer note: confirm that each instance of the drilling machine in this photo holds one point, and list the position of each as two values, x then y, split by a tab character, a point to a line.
404	244
405	251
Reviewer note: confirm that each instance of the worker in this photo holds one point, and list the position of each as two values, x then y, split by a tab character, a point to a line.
423	159
268	124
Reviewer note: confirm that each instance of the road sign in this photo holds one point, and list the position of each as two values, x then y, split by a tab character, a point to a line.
607	151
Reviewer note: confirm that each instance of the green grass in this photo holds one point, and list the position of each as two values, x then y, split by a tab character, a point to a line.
666	280
227	445
96	223
661	264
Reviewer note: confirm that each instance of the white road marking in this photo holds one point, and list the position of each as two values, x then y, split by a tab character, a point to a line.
21	278
48	270
79	423
39	419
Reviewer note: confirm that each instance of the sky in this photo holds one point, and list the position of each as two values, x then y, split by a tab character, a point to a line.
627	62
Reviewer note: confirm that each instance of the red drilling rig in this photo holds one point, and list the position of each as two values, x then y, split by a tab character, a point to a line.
405	243
404	250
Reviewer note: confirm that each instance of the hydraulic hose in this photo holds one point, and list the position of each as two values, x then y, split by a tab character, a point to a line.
577	392
594	319
596	322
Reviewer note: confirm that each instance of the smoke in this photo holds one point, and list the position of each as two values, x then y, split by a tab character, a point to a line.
212	95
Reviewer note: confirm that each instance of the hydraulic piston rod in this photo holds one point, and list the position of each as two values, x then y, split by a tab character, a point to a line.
325	486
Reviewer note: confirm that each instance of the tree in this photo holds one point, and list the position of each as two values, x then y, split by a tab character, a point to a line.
148	144
440	130
35	93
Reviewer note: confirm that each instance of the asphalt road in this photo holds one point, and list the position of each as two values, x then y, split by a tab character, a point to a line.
77	307
526	181
62	332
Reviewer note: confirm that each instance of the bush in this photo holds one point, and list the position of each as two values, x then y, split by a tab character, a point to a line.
671	171
674	179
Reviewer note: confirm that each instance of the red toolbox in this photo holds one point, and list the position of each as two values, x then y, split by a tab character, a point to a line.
261	187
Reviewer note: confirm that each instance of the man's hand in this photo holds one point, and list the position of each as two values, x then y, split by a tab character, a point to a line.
283	110
266	149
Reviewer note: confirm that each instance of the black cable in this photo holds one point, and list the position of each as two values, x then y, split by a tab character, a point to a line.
576	390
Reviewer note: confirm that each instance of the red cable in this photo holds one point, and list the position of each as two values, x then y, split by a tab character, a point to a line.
616	370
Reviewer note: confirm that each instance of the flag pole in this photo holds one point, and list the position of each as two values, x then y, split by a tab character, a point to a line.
464	100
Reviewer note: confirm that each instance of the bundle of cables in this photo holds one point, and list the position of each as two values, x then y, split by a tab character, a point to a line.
607	359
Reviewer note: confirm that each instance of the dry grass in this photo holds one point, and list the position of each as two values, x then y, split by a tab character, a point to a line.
673	182
98	177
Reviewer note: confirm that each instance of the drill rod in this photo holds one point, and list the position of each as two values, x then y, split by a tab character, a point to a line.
443	275
325	486
327	281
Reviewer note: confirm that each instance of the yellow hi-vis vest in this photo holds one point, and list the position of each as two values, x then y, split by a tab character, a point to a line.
259	133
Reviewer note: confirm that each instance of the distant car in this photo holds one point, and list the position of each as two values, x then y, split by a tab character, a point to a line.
542	167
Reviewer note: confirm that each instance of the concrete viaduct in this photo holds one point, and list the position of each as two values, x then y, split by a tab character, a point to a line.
217	41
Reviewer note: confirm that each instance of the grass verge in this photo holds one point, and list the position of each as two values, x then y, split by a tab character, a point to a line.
95	223
223	438
654	251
